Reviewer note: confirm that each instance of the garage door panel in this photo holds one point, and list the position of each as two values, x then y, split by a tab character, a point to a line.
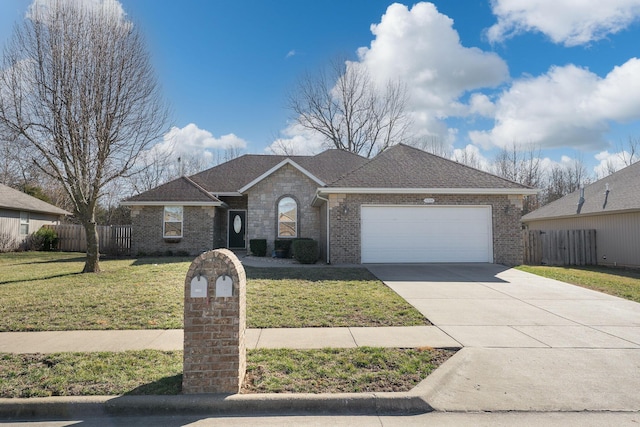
426	234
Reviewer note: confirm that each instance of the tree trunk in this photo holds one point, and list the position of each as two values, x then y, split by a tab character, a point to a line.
92	264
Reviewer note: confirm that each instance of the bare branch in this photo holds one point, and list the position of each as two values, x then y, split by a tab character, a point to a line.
77	85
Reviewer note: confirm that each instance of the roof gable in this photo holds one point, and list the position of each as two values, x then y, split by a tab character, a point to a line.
17	200
182	190
622	195
286	161
405	167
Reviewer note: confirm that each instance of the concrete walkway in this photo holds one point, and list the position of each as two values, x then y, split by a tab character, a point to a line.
294	338
530	343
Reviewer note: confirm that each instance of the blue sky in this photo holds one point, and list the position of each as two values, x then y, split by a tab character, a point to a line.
560	75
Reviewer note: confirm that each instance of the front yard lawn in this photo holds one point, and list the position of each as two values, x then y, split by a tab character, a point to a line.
42	291
613	281
268	371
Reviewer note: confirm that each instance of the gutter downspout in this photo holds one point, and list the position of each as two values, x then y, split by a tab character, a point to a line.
328	222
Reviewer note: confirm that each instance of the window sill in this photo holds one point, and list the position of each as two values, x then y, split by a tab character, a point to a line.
172	239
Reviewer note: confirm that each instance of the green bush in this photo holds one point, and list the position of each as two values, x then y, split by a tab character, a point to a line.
258	247
47	239
283	245
293	245
306	251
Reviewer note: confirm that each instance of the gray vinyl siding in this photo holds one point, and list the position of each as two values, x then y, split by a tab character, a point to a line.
617	235
10	223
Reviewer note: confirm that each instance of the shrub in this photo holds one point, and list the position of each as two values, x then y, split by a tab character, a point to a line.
7	243
306	251
258	247
46	239
283	245
293	244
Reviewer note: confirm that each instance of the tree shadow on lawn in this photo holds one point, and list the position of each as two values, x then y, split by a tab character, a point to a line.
309	274
31	279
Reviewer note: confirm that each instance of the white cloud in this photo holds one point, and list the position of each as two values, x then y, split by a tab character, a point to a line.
471	156
191	140
571	22
567	106
481	104
610	162
296	140
290	54
420	47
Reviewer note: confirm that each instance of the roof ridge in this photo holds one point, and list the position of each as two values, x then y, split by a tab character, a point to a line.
200	188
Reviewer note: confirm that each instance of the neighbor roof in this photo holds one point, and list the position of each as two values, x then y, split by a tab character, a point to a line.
622	196
405	167
17	200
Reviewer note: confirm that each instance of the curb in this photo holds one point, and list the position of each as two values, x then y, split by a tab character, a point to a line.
237	404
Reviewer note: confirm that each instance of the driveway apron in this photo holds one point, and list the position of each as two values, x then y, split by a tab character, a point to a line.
530	343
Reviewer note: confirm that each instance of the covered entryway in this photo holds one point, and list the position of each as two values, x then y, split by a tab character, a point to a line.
396	234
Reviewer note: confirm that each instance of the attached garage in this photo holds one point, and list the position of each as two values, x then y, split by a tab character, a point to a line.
396	234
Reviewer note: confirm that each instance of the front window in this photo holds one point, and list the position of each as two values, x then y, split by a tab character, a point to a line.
172	223
24	223
287	217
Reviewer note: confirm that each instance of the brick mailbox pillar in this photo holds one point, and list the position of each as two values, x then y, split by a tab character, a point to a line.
214	324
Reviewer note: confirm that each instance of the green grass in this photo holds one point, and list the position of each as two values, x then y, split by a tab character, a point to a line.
355	370
268	371
613	281
323	297
42	291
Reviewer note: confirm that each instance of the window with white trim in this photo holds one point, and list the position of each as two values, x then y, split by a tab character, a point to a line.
172	222
24	223
287	217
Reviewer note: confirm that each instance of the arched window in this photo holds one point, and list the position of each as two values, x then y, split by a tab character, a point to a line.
287	217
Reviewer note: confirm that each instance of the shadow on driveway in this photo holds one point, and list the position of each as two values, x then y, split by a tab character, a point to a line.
463	272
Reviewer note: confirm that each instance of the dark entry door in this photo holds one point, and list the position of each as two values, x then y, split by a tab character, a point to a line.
237	229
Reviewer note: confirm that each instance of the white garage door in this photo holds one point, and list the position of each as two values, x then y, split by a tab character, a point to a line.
393	234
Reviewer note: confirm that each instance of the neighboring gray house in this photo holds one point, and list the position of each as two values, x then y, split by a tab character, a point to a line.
404	205
611	206
22	215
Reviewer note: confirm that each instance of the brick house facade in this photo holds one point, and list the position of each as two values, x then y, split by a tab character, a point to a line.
330	191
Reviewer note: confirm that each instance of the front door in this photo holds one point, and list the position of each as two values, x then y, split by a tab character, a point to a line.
237	229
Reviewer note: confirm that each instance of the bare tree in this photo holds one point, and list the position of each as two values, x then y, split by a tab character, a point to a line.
77	84
522	166
344	105
467	157
630	152
565	179
434	145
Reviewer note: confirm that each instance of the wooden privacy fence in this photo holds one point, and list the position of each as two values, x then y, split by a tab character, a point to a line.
560	247
113	239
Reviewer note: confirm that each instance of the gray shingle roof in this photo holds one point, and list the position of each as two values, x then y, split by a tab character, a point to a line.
402	166
624	195
19	201
179	190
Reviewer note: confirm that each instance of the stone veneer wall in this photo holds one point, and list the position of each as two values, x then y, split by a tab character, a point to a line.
345	227
197	233
263	205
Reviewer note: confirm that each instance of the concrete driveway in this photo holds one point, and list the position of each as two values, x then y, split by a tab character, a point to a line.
530	343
